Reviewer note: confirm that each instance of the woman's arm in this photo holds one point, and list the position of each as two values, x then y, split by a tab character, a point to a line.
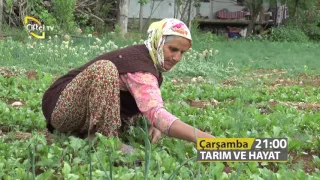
145	90
186	132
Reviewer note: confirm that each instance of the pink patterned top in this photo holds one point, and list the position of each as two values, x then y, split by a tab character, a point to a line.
145	90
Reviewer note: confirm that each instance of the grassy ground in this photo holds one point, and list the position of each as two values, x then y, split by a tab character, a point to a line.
56	56
246	89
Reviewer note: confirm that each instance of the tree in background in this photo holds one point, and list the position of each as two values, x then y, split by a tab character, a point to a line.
254	7
305	15
190	12
64	13
183	10
123	16
1	15
96	15
142	3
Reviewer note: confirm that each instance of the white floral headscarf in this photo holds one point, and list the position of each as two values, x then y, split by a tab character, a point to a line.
157	32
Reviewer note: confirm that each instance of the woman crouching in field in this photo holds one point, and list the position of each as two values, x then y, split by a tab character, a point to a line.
121	84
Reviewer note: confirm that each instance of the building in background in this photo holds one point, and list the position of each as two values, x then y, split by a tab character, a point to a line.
218	16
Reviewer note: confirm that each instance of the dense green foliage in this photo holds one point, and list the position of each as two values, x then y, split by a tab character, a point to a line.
64	13
302	25
288	34
247	78
265	87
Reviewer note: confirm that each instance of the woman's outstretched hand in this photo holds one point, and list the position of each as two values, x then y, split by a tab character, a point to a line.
186	132
155	134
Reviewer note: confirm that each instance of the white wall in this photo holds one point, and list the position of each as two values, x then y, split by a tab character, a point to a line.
205	9
165	8
231	5
162	9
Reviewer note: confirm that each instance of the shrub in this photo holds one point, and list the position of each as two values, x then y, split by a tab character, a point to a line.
289	34
204	40
64	12
308	20
312	31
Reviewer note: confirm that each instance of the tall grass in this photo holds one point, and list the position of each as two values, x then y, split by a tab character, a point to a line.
147	149
207	58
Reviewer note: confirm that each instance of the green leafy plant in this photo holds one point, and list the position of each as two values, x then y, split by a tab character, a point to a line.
64	12
257	101
288	34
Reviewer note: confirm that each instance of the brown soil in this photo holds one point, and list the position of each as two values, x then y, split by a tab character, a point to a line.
179	81
203	103
270	71
24	135
227	169
280	80
7	72
230	82
272	79
32	75
307	161
16	135
263	109
301	80
10	101
297	105
277	78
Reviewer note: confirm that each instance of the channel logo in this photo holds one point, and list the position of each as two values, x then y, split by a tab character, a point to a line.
35	28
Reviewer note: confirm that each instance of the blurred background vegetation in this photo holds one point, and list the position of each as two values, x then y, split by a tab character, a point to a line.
100	18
